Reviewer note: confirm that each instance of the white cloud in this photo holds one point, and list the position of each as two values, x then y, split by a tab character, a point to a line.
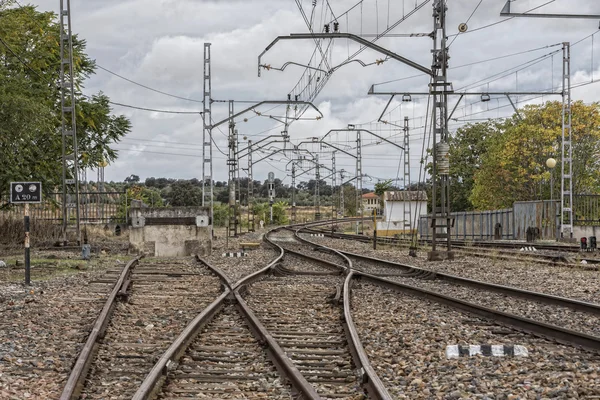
160	43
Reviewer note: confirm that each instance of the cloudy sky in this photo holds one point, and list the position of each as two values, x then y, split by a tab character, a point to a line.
160	43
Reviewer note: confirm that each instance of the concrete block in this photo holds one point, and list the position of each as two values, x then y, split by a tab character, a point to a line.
202	220
138	221
150	248
192	247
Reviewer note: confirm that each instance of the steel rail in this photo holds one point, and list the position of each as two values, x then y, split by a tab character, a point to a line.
276	353
557	260
373	384
578	305
513	291
168	361
547	331
79	372
170	358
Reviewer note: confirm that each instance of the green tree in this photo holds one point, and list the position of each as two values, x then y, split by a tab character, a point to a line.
468	146
280	209
220	214
149	196
184	194
513	168
381	188
30	137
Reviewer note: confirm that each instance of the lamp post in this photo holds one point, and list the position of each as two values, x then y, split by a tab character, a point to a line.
551	163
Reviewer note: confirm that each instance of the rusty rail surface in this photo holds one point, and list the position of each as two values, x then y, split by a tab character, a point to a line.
79	372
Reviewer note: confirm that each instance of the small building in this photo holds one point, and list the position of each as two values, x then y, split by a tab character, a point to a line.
401	211
371	202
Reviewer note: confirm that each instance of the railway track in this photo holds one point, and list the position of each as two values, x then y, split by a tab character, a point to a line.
419	304
158	300
287	330
225	361
486	299
543	253
42	331
222	350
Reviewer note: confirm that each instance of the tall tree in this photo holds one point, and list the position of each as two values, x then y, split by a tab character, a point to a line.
513	168
467	148
30	137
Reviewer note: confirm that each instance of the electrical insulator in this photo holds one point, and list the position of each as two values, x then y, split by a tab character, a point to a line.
443	158
289	96
296	97
336	26
326	28
314	3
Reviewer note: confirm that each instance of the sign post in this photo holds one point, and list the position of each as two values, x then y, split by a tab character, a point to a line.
26	193
271	187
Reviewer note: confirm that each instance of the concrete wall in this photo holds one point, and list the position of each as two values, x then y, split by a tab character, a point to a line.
170	232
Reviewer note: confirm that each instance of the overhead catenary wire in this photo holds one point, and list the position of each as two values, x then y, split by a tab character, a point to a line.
467	21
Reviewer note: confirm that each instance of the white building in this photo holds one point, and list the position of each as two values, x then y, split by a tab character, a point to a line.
401	211
370	202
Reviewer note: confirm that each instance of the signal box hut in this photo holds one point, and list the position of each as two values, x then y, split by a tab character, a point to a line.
401	211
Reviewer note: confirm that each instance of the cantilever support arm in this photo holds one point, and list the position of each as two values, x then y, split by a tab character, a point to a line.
507	13
328	144
267	102
364	130
355	38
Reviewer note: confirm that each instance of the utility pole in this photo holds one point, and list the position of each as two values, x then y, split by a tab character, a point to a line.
271	187
293	193
333	184
251	227
207	150
359	205
232	164
342	205
566	185
439	89
407	211
70	161
317	194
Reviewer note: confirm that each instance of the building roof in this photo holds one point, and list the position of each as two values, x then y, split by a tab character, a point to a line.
407	195
370	195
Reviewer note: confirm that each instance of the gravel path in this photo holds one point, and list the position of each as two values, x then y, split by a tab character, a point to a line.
43	328
561	281
406	338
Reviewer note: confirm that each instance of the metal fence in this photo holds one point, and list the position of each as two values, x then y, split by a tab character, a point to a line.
95	208
586	209
475	225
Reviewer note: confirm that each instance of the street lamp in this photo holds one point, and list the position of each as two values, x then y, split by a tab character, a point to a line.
551	163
